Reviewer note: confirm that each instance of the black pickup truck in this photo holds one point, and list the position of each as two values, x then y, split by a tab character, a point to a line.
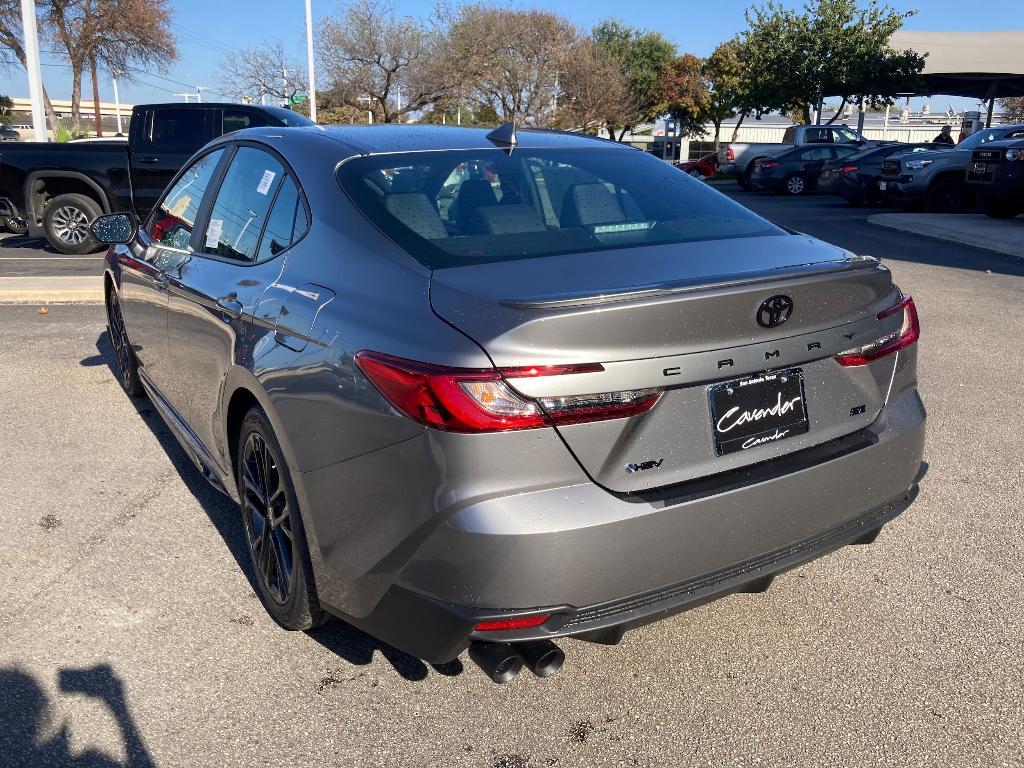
58	189
996	175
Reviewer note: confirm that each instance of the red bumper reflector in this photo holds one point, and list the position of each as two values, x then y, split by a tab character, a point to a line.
522	622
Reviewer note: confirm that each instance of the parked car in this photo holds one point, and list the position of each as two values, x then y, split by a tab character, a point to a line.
856	178
795	172
996	177
936	180
739	158
57	189
9	133
703	168
592	393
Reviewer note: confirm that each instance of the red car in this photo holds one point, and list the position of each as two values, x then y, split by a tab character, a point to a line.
704	168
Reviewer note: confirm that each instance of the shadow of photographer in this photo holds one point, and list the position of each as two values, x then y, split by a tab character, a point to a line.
26	717
348	642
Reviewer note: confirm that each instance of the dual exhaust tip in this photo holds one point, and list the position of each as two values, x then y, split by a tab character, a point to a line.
503	661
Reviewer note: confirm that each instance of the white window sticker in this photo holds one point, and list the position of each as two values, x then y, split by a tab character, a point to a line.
265	182
213	232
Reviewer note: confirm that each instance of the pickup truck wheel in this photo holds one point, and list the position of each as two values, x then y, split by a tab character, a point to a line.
15	225
946	195
743	179
66	223
795	184
995	208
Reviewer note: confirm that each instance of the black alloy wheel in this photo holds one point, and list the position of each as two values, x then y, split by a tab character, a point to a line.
127	365
273	528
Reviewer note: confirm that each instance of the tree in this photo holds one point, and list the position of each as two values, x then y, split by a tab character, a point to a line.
686	94
729	81
1013	109
508	61
120	34
395	61
6	105
831	48
248	75
593	90
641	56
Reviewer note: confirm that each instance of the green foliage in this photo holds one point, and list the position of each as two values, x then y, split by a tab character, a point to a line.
6	105
64	131
829	48
472	115
641	55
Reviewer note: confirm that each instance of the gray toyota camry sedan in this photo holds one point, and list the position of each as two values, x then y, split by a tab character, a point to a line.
485	389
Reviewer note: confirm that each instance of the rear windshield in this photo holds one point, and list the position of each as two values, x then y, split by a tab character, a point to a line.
459	207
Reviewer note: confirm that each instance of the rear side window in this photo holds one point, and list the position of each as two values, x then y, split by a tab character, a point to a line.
173	219
183	129
242	204
817	136
286	223
452	208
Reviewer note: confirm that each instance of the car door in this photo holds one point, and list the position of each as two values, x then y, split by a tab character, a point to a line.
161	248
163	142
212	299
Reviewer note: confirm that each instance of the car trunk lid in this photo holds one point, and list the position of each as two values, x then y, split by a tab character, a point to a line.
679	318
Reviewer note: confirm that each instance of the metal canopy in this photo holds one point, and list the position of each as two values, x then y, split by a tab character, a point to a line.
981	65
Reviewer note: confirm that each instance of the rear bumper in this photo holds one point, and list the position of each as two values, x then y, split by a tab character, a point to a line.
766	183
636	559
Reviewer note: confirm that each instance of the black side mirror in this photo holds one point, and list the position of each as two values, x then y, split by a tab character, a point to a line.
114	228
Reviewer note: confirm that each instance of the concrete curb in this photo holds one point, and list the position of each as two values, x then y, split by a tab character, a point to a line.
973	229
51	290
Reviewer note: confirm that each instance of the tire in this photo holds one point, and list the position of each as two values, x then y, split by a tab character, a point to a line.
279	553
743	179
946	195
996	208
15	225
66	223
127	364
795	185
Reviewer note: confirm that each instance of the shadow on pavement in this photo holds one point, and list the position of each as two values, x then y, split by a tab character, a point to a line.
353	645
26	719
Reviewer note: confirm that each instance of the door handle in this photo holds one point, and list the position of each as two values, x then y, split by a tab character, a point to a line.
230	307
162	281
149	159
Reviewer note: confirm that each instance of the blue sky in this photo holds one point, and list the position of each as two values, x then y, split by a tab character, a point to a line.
206	30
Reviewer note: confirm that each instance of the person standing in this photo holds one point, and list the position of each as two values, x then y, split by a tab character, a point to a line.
944	137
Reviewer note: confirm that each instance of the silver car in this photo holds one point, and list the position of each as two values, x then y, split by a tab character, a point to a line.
482	390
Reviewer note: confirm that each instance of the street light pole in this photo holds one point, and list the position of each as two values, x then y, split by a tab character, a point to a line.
309	60
117	103
199	92
35	75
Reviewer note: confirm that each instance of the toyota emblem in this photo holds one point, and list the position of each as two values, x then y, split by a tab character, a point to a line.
774	311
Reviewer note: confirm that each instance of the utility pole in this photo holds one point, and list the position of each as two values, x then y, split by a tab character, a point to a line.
309	60
369	112
117	103
35	75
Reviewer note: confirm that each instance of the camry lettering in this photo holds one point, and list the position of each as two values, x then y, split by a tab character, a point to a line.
730	420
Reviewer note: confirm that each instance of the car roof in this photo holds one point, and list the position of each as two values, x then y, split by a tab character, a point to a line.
387	138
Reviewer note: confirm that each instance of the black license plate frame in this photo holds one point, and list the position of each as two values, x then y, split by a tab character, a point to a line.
744	407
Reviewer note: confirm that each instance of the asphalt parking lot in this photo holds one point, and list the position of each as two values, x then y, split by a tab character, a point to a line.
129	631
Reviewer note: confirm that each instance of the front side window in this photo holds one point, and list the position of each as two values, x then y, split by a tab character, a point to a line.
457	207
237	119
174	218
845	136
183	129
242	204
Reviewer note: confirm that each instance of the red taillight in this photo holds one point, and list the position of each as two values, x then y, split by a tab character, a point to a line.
523	622
470	400
904	336
848	169
729	154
